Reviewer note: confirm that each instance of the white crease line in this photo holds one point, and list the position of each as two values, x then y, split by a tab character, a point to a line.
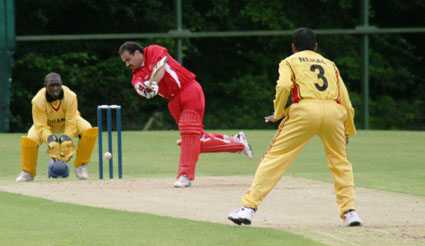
336	238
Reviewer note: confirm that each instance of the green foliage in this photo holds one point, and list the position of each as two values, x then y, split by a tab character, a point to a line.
92	16
245	106
397	115
238	72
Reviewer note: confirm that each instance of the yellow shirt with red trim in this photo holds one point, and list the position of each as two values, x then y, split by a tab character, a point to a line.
308	75
56	116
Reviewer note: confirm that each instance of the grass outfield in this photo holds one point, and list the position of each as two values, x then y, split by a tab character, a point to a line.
31	221
386	160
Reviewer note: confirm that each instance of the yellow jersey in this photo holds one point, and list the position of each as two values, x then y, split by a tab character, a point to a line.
56	116
308	75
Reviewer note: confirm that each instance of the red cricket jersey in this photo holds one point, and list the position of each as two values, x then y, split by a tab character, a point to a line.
175	77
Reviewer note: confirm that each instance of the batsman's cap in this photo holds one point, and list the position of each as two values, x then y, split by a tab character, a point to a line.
58	169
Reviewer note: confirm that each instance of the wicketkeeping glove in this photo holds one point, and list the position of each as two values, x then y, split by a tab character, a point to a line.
145	91
53	147
67	148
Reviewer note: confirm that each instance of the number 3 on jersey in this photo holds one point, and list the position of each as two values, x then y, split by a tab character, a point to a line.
321	76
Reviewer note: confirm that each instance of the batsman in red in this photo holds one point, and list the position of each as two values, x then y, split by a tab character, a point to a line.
186	103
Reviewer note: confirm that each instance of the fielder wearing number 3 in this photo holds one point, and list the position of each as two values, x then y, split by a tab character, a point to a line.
55	110
321	106
153	75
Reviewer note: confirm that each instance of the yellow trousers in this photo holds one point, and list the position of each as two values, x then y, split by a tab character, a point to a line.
30	148
82	125
306	119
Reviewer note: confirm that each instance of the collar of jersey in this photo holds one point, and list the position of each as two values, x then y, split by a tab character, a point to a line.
50	99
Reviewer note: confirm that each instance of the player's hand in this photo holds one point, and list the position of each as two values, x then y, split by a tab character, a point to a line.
67	148
152	90
53	146
146	91
269	118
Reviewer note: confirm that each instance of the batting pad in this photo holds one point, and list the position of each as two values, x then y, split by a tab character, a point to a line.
213	145
190	126
86	146
29	154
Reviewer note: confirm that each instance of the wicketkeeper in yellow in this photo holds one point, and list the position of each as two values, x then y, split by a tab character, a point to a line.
55	110
321	106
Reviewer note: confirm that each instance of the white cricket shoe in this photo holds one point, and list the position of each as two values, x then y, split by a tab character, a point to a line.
241	138
182	182
352	218
242	215
24	177
82	172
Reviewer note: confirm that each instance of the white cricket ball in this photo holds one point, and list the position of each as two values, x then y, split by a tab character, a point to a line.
107	155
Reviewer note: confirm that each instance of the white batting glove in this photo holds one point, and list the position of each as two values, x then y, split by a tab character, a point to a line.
145	91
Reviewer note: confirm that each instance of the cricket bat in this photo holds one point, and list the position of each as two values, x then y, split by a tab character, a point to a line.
156	69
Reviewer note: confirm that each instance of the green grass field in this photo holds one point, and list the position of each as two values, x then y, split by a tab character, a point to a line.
383	160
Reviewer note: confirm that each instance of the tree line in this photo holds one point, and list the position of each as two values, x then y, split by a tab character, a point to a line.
238	74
